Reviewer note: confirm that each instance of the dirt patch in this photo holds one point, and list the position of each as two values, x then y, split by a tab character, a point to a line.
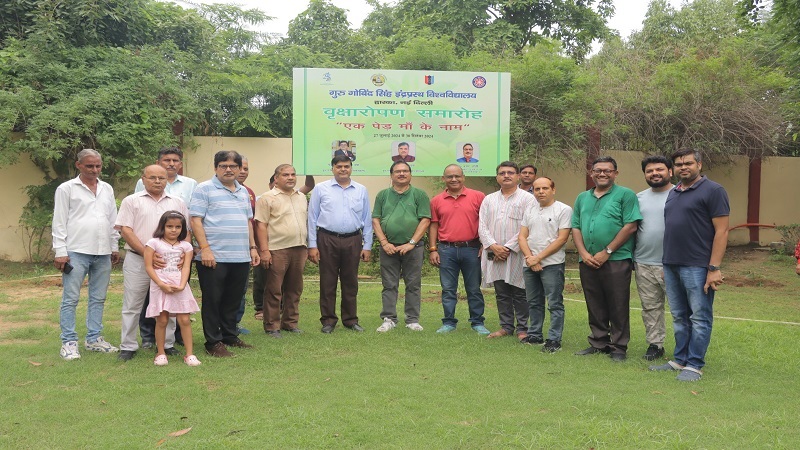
752	281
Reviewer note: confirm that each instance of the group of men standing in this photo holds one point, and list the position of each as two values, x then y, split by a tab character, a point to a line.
512	240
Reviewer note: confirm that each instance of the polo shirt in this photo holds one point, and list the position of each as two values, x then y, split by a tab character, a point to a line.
689	233
141	213
226	220
286	216
600	219
400	214
182	187
457	216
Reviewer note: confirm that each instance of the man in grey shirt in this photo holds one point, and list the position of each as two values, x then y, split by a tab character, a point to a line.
649	250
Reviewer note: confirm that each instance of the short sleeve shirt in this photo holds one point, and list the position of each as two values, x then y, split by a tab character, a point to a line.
286	216
650	234
226	218
400	213
689	232
600	219
543	226
457	216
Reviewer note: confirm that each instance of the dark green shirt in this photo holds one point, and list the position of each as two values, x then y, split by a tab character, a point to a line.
400	214
600	219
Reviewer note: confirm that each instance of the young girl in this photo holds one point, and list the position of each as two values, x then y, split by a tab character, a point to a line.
169	293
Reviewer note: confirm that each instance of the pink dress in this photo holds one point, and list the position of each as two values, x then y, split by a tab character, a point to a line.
179	302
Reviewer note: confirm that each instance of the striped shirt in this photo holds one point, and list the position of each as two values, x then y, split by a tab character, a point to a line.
500	219
226	219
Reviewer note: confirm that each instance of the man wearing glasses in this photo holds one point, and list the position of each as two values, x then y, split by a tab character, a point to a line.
221	214
603	221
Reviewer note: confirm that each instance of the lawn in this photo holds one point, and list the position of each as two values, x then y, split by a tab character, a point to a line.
405	389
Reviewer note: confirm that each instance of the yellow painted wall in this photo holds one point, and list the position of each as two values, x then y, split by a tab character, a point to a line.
780	203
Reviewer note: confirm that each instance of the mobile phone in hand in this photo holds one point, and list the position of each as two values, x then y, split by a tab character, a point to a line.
67	267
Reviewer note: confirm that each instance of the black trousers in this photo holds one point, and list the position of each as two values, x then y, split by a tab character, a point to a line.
608	298
222	288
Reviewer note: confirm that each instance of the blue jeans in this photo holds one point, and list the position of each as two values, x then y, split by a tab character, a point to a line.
98	267
692	313
465	260
540	286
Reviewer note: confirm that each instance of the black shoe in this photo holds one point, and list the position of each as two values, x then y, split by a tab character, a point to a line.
551	346
653	353
293	330
355	327
274	333
172	351
126	355
590	351
532	340
618	356
146	345
328	329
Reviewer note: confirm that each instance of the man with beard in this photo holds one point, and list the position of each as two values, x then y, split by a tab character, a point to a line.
695	237
603	222
649	251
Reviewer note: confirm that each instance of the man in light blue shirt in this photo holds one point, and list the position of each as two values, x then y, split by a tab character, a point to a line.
649	251
339	234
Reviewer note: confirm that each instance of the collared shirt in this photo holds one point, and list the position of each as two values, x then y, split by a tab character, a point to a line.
500	218
650	234
600	219
543	225
400	213
141	212
688	220
226	219
182	188
339	209
286	216
529	190
83	221
457	216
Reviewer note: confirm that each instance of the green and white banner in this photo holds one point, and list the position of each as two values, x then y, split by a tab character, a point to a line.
429	119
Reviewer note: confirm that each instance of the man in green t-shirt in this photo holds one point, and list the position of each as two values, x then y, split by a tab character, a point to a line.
400	218
603	221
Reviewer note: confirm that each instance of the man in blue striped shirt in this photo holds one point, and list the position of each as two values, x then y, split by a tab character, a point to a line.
221	214
339	234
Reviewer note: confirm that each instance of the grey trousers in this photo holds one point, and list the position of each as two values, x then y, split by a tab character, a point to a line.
511	304
409	267
136	285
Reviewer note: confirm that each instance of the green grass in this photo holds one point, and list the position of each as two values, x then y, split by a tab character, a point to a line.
404	389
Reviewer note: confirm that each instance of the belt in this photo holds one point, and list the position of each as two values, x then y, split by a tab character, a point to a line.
340	235
475	243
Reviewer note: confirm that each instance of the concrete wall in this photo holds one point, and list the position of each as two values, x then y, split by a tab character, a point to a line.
779	201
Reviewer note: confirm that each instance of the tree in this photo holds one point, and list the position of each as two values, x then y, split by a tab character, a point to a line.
691	78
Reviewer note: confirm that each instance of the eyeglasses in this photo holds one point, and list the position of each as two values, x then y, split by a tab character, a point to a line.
506	173
228	166
157	178
603	171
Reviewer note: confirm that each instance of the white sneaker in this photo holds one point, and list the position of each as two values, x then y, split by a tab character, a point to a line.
414	326
387	325
100	345
69	351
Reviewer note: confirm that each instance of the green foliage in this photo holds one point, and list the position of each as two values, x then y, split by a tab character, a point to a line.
691	78
424	52
36	219
790	237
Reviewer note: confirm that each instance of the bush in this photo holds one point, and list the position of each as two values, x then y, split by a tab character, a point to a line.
790	236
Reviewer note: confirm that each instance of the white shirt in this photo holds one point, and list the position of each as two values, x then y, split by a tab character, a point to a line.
83	222
500	219
543	226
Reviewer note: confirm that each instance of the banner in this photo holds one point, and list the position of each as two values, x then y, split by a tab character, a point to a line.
426	118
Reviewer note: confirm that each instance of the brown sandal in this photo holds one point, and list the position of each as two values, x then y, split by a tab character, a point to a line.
259	315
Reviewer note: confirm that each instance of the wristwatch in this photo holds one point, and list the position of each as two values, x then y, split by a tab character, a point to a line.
412	241
712	268
609	251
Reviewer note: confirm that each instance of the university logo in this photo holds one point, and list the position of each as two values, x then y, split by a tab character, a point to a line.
479	82
378	79
428	79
